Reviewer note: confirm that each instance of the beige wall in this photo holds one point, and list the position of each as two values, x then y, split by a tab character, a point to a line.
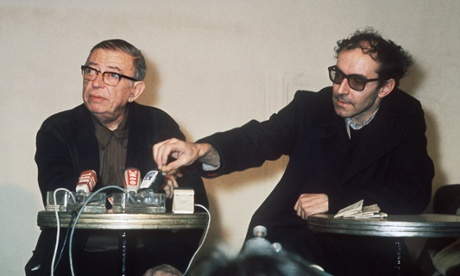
212	65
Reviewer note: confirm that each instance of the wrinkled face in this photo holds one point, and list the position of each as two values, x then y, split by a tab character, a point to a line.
349	103
106	102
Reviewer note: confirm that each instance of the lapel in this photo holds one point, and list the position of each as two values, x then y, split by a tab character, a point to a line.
333	141
85	141
379	138
137	137
87	146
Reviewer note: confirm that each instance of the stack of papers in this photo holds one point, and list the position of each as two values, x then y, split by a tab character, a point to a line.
357	210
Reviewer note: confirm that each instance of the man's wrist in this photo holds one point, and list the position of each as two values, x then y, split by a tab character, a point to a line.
209	156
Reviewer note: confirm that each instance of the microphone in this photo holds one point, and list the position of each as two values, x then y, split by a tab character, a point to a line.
260	245
154	180
86	181
132	178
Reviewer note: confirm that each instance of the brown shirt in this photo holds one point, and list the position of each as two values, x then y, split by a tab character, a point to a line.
112	158
112	152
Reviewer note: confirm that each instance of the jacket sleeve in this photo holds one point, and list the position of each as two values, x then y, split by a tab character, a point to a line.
150	126
54	162
255	142
65	146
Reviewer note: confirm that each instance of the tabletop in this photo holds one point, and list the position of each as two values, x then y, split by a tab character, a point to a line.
125	221
424	225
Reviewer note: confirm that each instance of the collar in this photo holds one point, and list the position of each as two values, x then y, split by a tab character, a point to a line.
104	134
349	123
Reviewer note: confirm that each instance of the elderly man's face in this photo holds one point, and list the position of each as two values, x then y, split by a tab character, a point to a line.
358	105
106	102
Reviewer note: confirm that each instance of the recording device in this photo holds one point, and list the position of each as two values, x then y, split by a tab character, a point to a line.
132	177
86	181
154	181
183	201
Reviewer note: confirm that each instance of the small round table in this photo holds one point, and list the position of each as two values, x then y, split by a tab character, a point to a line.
124	222
399	226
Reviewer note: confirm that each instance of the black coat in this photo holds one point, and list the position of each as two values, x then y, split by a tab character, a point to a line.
388	166
66	146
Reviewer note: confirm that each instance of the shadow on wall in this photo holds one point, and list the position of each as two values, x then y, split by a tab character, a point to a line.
413	80
267	175
19	211
152	84
432	134
411	83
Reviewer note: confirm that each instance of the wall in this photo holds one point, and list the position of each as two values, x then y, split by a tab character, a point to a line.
213	65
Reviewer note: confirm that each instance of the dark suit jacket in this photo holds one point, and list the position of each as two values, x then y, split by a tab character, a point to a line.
66	146
389	166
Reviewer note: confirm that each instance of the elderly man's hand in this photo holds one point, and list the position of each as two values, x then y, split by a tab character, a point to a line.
171	184
310	204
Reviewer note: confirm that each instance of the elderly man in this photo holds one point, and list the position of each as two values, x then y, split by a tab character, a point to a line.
109	133
362	138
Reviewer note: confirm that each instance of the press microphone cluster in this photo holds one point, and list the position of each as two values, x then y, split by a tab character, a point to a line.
153	181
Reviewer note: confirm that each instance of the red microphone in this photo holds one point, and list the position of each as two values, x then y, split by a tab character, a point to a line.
132	178
86	181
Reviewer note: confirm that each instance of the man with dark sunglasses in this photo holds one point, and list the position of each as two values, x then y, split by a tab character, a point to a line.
362	138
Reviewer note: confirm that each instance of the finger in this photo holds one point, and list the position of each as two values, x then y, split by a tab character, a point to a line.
175	155
178	174
157	151
169	187
166	150
173	148
305	217
171	179
296	206
175	173
175	165
299	210
168	192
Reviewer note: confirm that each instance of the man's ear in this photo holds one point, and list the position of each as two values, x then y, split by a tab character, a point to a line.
136	91
387	88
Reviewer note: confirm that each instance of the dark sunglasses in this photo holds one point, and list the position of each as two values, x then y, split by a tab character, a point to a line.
356	82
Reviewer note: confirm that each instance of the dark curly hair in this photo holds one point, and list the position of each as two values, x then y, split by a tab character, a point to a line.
393	59
128	48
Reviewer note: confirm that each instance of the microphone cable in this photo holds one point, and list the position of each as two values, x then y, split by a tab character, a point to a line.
203	238
67	233
78	216
58	228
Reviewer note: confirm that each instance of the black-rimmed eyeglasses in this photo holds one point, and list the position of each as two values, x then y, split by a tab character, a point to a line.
356	82
109	78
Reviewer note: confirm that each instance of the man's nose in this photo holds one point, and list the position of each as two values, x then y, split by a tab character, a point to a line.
99	80
344	88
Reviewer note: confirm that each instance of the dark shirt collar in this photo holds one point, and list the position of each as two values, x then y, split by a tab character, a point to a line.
104	134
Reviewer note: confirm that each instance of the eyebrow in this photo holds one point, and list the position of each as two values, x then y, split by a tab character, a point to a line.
359	75
116	68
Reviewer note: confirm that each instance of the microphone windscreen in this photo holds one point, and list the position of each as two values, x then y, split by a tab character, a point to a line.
132	178
86	181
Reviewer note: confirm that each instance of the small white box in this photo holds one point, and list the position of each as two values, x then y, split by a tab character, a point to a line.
184	201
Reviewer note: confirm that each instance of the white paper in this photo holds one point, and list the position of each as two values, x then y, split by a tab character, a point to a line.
358	211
